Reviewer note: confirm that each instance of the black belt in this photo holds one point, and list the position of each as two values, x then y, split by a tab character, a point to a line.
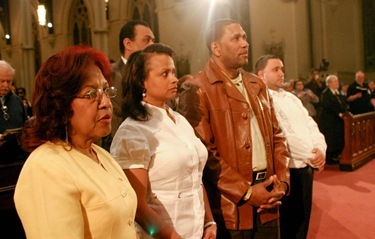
259	176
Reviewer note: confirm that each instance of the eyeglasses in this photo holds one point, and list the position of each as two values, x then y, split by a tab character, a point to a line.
97	94
5	113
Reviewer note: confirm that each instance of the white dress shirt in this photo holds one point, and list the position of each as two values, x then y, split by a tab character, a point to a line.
301	131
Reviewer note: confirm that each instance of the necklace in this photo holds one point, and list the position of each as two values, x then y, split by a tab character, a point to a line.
4	108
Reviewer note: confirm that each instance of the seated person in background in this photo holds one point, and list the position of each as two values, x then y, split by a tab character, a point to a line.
359	95
159	152
344	90
316	85
69	187
12	116
331	122
21	92
289	85
307	97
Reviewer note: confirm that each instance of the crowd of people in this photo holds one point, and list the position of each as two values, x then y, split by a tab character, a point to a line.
129	151
328	101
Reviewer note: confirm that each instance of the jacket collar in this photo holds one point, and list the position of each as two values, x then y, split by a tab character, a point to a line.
280	92
250	81
7	96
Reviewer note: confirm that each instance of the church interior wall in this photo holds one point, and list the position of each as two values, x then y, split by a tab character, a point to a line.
280	33
276	26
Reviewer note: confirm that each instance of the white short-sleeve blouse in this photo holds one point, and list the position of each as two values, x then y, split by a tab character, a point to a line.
174	158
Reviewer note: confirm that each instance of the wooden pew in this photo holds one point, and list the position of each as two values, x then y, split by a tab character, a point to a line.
12	159
8	178
359	141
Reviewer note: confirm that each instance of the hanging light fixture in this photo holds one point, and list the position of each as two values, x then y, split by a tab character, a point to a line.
42	13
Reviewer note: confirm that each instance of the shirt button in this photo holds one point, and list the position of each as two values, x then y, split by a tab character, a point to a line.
247	146
123	194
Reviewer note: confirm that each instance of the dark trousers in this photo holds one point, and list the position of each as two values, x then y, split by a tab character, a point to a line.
295	210
269	230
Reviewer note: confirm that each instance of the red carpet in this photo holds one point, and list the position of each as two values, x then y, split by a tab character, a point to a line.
344	204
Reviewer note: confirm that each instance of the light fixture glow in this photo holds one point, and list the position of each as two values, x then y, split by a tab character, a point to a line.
42	12
7	36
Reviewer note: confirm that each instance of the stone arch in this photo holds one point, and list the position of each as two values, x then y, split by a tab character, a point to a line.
65	18
144	10
79	24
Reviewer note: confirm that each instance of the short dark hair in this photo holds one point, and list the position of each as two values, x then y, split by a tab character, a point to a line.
216	31
128	31
133	82
262	62
22	89
314	69
299	80
56	84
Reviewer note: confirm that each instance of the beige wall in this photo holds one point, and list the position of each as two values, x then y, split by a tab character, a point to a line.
336	32
182	27
288	28
337	35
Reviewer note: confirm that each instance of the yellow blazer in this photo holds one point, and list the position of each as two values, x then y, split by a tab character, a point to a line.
65	194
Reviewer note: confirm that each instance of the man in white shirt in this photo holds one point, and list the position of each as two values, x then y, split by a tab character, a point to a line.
306	144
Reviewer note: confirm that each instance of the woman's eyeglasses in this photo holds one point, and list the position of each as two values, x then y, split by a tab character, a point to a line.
5	113
97	94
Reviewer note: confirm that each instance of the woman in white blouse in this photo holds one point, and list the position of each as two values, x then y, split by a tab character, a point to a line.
159	152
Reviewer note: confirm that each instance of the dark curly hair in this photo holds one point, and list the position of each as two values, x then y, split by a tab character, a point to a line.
56	84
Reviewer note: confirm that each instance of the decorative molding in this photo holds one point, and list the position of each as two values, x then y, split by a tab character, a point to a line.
8	50
51	40
274	45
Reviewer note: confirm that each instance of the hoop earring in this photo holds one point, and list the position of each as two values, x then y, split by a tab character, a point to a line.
144	93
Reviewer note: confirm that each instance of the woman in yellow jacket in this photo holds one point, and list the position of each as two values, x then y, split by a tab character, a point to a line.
69	187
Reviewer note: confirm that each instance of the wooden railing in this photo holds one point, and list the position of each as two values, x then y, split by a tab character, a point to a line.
8	178
359	141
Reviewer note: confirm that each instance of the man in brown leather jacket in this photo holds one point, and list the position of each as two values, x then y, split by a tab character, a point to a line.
246	174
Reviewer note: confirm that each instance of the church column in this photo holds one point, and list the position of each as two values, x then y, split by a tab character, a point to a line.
28	59
100	30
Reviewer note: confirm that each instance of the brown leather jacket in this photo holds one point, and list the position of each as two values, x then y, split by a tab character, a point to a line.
220	115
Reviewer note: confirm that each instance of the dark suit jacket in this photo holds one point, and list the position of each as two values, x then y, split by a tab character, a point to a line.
330	123
363	104
118	71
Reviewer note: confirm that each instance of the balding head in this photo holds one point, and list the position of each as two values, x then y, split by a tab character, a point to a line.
359	77
6	77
